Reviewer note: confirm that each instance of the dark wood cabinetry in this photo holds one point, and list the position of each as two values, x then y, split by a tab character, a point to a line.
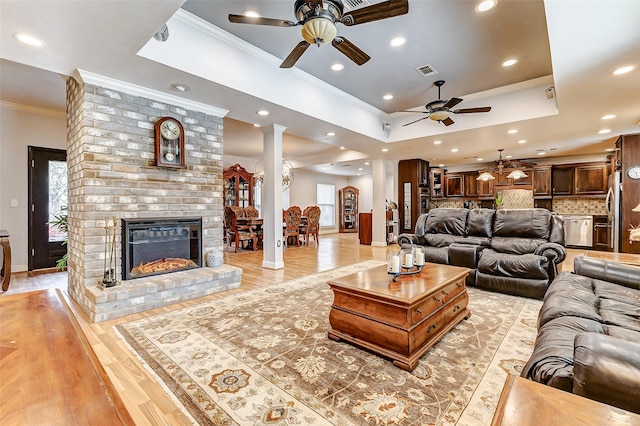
413	188
591	179
238	186
562	180
348	209
470	184
601	233
629	148
436	180
542	181
485	189
454	185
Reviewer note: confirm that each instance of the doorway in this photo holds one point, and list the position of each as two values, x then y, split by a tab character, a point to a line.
47	199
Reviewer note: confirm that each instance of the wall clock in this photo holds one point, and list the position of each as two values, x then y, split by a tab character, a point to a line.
169	143
634	172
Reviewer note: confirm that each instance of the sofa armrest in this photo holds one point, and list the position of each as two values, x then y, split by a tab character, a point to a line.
411	239
607	369
552	251
615	272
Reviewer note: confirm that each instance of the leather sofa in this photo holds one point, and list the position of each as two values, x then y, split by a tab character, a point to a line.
588	338
514	251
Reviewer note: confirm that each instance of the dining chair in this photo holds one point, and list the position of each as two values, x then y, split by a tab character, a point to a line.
312	224
251	211
238	233
292	217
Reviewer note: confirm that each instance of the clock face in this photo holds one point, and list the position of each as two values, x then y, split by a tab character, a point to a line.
634	172
170	130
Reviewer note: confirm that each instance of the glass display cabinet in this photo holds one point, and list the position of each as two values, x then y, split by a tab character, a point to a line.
349	209
238	187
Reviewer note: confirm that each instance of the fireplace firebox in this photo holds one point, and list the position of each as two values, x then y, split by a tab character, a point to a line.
154	246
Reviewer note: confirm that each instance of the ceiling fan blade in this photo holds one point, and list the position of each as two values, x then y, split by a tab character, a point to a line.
350	50
452	102
419	119
387	9
294	55
408	110
472	110
448	121
241	19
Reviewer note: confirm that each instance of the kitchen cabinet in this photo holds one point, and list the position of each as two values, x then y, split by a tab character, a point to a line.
601	233
542	181
348	209
454	185
413	191
543	203
562	180
485	189
470	185
629	148
525	181
591	179
436	181
238	186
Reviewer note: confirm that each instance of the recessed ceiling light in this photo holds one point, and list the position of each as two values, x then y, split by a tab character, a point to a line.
251	14
485	5
512	131
385	149
441	165
509	62
608	117
522	141
360	168
454	149
342	147
508	156
437	142
256	125
542	153
397	41
604	131
180	87
609	149
387	97
263	112
28	39
367	163
330	133
480	159
623	70
337	67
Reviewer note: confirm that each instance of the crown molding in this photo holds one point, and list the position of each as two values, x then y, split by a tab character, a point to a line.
135	90
33	109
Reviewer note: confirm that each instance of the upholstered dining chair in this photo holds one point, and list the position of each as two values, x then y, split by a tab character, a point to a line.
312	225
238	233
251	211
292	218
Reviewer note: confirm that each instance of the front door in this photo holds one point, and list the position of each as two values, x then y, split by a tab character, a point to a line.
47	198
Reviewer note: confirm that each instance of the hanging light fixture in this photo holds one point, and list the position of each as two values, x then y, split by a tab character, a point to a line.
515	174
287	174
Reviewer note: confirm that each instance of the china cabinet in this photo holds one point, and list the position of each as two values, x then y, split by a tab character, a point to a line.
349	209
238	186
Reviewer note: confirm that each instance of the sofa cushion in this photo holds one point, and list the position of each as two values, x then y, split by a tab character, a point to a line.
436	255
440	240
480	222
447	221
523	223
516	245
525	266
570	295
620	314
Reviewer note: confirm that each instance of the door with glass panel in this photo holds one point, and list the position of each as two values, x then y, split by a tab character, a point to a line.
47	201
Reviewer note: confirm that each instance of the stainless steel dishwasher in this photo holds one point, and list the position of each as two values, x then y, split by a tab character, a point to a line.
579	230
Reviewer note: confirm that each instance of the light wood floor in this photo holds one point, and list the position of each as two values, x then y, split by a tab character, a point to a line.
142	396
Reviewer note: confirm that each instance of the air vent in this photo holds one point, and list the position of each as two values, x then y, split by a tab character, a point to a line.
350	5
427	70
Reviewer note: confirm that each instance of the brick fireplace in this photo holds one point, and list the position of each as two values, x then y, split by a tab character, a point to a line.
112	175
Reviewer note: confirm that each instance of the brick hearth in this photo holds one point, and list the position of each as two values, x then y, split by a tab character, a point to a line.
110	157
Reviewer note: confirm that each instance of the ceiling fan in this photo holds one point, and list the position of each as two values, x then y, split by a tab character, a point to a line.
439	110
319	18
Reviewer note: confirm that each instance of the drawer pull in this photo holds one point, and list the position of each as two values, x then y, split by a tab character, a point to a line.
419	311
459	284
437	299
456	308
445	293
431	327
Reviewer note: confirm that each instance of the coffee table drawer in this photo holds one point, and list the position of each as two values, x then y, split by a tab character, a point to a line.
433	302
433	326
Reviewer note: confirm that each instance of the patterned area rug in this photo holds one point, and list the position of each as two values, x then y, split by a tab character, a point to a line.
263	358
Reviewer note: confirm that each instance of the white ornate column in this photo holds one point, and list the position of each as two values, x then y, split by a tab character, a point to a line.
272	196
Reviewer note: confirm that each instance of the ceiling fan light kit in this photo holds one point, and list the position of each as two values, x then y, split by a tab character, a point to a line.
319	31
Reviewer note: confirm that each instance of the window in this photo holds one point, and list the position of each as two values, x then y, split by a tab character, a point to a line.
326	200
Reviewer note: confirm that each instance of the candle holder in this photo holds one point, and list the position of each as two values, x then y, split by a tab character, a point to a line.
415	269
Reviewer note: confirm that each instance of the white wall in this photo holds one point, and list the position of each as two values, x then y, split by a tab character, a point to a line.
21	127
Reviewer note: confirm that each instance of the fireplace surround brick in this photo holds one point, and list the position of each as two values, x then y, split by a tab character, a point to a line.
110	156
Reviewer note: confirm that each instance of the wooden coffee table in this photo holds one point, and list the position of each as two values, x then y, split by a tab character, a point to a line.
399	320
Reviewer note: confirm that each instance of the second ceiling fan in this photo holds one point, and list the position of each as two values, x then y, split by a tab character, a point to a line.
440	109
318	19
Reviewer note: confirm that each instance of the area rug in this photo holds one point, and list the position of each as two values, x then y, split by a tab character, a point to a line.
263	358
